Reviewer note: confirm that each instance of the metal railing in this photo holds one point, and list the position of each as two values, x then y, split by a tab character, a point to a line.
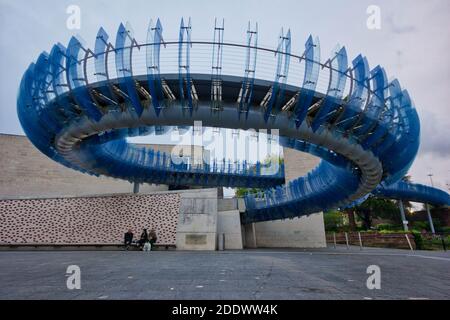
234	57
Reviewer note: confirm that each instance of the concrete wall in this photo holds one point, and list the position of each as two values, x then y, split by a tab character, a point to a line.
249	235
304	232
197	220
229	224
26	172
227	204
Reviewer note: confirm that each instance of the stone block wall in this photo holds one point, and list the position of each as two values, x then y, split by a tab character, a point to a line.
26	172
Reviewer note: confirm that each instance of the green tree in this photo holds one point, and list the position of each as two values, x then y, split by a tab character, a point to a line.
333	220
376	207
241	192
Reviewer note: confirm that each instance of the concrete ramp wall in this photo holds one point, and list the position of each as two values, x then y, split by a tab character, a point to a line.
304	232
229	225
197	220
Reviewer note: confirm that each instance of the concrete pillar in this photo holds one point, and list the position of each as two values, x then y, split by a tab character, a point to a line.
402	213
430	220
254	235
136	188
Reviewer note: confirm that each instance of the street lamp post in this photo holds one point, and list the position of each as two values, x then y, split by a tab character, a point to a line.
431	179
427	207
136	188
430	220
402	213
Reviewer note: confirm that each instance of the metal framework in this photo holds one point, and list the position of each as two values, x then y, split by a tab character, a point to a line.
78	106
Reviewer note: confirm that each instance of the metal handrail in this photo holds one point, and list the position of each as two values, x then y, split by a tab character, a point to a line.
301	58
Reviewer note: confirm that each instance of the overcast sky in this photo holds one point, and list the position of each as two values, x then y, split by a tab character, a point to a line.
413	45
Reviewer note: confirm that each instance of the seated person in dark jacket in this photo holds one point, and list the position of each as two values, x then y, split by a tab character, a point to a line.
153	237
144	238
128	239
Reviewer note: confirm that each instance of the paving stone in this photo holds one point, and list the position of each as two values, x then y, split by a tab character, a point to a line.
249	274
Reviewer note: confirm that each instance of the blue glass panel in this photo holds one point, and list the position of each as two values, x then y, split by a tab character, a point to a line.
101	54
57	68
124	48
376	105
216	66
101	45
249	72
77	81
59	82
379	132
27	109
42	83
184	74
338	77
306	95
395	121
61	105
359	95
282	71
154	37
386	129
407	142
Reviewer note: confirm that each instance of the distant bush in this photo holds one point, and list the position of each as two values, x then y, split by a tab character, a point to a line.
425	225
392	231
437	225
418	240
333	221
421	225
388	227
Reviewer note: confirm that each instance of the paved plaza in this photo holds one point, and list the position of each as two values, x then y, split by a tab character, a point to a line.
249	274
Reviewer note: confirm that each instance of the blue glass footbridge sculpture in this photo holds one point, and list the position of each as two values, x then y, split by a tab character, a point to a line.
78	105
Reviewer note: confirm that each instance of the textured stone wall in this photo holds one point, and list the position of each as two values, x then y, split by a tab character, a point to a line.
298	163
89	220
